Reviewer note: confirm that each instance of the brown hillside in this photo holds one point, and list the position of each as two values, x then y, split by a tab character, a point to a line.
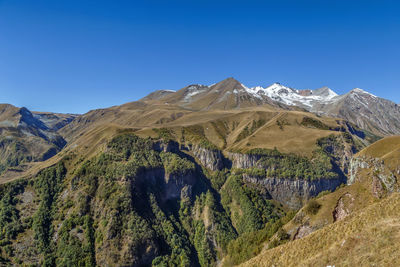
369	237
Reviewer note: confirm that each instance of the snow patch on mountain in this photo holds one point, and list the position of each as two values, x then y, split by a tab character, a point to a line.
193	90
290	96
361	91
250	91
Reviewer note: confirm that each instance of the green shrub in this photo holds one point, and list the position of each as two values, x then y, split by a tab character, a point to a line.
314	123
196	135
250	129
174	164
164	133
248	245
312	207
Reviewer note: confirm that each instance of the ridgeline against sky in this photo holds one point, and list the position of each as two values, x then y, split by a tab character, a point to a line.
72	56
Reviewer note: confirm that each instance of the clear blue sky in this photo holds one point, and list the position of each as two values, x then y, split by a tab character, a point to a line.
73	56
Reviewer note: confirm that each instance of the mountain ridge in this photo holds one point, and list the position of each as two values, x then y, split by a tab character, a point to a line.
26	138
354	106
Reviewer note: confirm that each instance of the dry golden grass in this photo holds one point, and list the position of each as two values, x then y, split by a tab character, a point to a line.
223	127
387	149
369	237
359	192
382	147
87	134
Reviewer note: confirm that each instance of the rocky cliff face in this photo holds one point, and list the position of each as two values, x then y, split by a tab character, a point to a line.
294	193
166	146
341	149
291	192
178	186
243	161
211	159
171	186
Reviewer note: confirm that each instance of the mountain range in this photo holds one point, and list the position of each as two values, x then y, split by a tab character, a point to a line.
366	110
216	175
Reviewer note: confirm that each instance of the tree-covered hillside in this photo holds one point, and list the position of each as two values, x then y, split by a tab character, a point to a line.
142	202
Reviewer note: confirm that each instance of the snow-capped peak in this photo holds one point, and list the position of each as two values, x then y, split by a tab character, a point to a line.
361	91
290	96
280	89
244	86
326	92
332	93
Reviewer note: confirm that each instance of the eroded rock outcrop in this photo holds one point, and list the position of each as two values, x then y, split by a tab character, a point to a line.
303	231
383	181
343	207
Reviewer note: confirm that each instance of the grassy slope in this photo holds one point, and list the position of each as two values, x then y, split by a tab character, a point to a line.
220	127
153	114
86	146
22	142
387	149
360	192
369	237
224	127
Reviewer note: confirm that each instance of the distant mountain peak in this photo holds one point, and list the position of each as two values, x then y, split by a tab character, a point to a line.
326	92
229	80
228	85
278	86
361	91
364	109
294	97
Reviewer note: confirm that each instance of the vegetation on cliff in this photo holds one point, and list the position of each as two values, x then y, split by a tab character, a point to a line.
135	204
